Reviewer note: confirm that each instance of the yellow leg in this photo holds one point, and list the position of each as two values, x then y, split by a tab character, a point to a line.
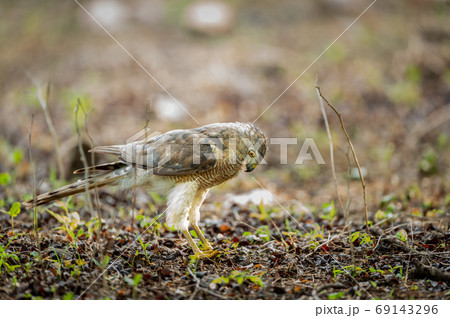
197	252
192	244
193	212
206	245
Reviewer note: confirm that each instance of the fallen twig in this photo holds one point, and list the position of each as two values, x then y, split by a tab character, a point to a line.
425	271
421	270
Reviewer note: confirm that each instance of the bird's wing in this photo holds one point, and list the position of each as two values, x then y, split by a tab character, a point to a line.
177	152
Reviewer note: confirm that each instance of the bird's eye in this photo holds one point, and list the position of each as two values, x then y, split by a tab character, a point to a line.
251	153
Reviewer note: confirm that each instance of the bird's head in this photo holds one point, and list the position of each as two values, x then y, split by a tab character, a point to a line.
256	147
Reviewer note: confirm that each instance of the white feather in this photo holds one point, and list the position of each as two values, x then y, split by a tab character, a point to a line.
179	203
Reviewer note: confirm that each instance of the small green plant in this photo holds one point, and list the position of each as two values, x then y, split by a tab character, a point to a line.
367	239
250	236
17	156
316	235
373	270
264	213
397	268
263	232
428	163
144	248
69	224
36	256
133	282
353	237
68	296
5	178
337	295
364	238
402	235
391	293
336	272
151	225
354	269
29	296
92	226
387	214
6	257
329	212
385	200
13	212
290	235
28	267
103	263
239	277
58	263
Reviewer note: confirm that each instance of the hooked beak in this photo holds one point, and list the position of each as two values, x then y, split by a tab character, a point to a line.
250	167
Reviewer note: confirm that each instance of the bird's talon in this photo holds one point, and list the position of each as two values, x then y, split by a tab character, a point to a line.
206	254
207	248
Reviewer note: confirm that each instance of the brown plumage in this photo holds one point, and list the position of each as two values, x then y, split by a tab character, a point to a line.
183	163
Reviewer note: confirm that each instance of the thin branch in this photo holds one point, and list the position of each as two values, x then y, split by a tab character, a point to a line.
33	175
361	177
333	169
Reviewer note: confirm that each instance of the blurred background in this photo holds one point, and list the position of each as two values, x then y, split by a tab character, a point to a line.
228	61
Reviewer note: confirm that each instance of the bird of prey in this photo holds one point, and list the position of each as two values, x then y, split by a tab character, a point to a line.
184	164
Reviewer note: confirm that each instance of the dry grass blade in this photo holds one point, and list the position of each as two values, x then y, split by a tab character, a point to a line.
83	157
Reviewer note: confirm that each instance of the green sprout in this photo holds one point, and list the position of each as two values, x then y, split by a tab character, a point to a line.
6	257
133	282
13	212
239	277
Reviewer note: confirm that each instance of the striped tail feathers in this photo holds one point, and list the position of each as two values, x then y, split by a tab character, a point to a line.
92	182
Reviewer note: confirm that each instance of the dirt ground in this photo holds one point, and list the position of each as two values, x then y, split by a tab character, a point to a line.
388	75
